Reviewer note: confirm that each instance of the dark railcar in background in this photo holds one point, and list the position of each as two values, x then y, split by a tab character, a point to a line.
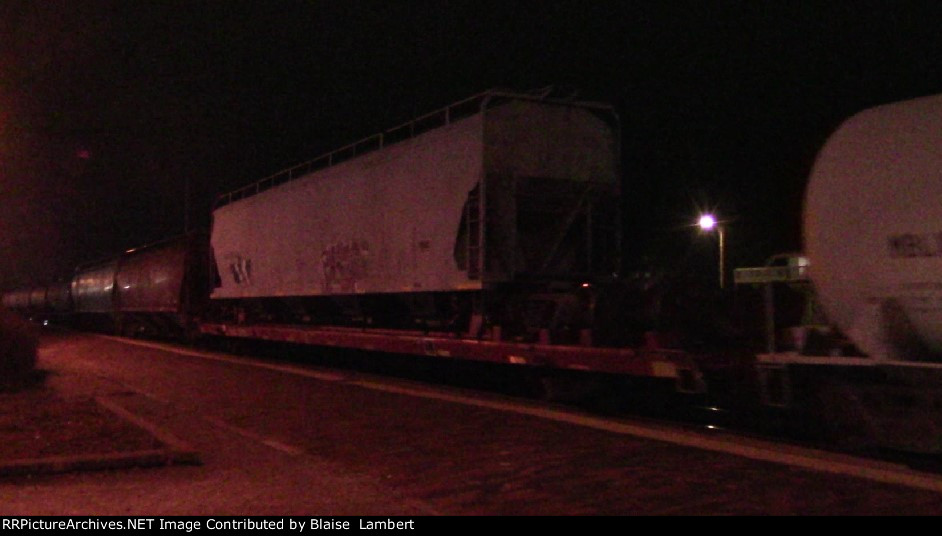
37	301
157	289
59	298
92	290
161	288
17	300
41	303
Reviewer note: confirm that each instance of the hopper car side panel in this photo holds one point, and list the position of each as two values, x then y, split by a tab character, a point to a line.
385	222
152	280
93	287
161	288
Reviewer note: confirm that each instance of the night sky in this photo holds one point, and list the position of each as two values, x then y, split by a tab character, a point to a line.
108	109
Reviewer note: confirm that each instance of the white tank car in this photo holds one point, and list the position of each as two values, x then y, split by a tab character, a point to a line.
873	229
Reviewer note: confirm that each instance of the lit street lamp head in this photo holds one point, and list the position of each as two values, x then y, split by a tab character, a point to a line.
707	222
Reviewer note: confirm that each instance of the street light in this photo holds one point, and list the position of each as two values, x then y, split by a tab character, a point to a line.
709	223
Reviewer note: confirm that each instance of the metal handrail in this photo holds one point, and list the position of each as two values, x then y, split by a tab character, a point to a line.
405	131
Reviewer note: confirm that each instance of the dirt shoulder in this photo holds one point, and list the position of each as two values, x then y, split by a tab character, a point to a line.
39	422
44	431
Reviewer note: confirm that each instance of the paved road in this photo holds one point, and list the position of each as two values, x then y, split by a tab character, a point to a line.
288	439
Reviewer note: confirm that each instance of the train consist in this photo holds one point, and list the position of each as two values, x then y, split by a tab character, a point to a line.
489	230
158	289
482	231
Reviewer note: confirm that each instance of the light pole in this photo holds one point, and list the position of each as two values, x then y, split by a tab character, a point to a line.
708	223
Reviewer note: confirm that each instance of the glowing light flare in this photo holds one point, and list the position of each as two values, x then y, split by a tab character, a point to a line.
707	222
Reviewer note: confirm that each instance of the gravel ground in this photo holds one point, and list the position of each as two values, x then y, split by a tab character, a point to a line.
358	446
37	422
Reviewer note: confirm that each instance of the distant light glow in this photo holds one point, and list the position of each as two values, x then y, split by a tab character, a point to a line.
585	285
83	154
707	222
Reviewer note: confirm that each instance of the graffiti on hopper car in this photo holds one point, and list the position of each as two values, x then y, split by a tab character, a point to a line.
345	263
241	269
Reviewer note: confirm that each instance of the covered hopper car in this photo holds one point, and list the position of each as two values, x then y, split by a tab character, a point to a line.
493	210
481	231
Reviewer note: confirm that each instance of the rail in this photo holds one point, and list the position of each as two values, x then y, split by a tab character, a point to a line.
408	130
